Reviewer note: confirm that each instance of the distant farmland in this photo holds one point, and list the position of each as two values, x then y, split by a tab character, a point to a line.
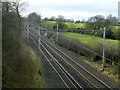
69	25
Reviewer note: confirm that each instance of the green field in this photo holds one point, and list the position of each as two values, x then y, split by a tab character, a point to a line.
93	41
48	23
68	24
75	25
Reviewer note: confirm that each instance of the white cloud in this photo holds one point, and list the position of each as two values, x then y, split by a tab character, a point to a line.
72	8
70	2
72	14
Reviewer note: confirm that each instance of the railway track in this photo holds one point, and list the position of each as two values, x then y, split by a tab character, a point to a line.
95	81
66	78
71	70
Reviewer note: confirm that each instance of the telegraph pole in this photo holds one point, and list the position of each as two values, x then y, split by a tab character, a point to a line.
0	45
39	44
103	58
27	34
39	37
57	33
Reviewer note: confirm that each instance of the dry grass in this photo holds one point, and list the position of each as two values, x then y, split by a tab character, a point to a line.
110	70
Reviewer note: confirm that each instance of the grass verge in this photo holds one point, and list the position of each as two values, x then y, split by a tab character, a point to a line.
22	71
111	70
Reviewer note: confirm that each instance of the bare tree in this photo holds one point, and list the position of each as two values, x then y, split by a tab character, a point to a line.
18	6
96	22
60	18
34	18
6	7
112	20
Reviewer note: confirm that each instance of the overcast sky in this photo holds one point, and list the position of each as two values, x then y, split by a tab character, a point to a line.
72	9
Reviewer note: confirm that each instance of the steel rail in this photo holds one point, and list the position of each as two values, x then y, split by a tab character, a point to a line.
78	65
71	79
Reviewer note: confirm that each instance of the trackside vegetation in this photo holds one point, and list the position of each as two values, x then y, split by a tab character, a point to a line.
20	64
90	51
22	71
91	46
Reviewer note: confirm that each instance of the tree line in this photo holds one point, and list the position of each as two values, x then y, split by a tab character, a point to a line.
11	24
11	28
93	26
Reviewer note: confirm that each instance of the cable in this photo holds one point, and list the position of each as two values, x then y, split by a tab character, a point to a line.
100	42
93	51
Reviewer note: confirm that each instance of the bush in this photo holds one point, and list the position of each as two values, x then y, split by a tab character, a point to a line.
109	34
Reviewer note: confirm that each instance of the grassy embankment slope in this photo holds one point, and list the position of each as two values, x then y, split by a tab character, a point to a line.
93	41
20	64
110	71
22	71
